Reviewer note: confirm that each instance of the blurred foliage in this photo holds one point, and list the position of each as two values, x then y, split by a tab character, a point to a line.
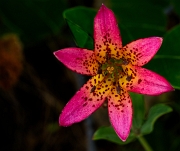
155	112
33	20
138	110
109	134
11	58
129	13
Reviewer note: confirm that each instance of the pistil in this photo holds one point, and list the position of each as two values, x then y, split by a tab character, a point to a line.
110	69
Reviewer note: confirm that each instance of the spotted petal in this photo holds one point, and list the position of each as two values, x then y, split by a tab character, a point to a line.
144	81
120	112
87	100
106	34
80	60
139	52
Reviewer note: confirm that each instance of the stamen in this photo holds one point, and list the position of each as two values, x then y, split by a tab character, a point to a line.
125	62
93	89
99	70
118	88
107	56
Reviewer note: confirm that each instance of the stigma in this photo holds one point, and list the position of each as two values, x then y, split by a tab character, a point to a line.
110	69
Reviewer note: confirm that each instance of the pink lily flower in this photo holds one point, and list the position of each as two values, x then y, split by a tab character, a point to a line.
115	70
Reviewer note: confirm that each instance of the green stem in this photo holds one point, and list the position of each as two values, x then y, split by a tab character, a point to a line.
144	143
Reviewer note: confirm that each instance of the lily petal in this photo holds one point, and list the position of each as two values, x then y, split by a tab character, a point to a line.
120	112
86	101
106	35
139	52
77	59
144	81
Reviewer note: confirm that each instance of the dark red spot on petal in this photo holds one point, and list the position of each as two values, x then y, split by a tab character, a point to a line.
84	104
93	89
139	81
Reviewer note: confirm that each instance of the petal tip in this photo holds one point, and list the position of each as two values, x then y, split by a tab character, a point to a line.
63	122
56	53
160	39
103	5
103	8
123	136
157	40
170	88
165	91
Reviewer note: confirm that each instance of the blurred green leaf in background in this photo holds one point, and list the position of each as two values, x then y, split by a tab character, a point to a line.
32	19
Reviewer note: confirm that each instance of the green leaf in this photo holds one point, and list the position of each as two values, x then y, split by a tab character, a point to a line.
143	31
167	67
125	34
164	4
128	12
138	110
80	21
81	37
154	113
171	45
33	20
109	134
176	6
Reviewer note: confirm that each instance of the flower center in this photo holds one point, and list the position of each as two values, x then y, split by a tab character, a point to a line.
113	69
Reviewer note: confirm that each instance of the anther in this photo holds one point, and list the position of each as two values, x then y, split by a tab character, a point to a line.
93	89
